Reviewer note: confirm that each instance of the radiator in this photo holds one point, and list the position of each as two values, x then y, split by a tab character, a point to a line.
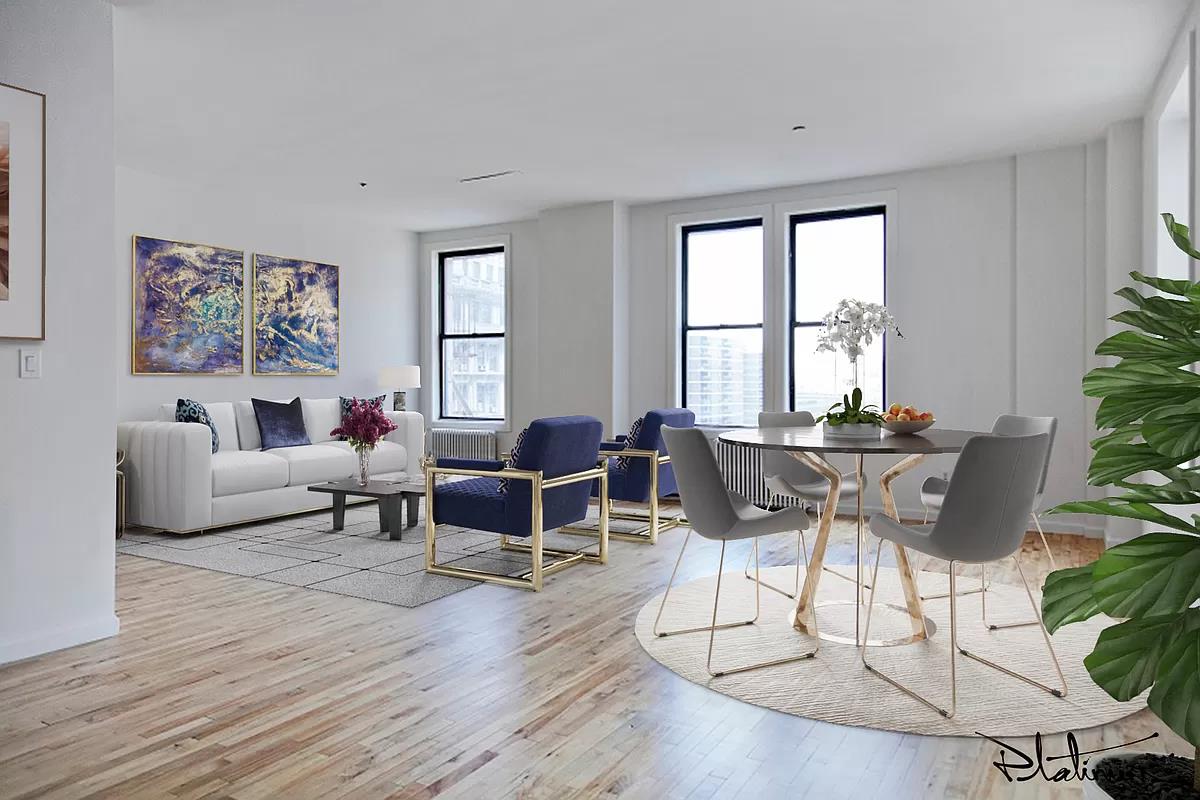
457	443
742	468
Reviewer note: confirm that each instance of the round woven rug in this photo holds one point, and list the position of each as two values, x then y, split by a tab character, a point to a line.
835	686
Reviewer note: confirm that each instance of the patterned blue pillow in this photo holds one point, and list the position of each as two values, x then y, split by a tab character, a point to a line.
635	430
191	411
513	455
349	401
280	424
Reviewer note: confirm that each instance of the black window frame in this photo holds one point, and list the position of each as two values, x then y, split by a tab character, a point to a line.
443	337
793	323
685	328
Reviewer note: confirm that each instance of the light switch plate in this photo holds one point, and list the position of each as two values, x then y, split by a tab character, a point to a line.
31	363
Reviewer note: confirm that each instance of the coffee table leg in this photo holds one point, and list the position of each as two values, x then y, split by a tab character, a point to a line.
384	515
412	501
393	511
339	511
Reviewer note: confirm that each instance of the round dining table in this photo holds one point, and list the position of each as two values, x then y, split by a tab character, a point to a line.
809	445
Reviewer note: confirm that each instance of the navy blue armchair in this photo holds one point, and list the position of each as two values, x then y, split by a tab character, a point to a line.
546	486
639	471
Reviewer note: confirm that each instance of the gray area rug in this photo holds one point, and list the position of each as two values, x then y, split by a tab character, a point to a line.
358	561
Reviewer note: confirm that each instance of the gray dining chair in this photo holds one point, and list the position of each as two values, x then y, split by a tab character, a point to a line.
987	500
933	490
716	513
784	476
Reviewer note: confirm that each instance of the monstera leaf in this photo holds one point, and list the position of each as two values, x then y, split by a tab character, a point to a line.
1126	658
1175	697
1067	597
1158	573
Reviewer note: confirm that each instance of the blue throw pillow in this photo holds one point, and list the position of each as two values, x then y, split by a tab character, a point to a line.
280	424
635	430
191	411
513	455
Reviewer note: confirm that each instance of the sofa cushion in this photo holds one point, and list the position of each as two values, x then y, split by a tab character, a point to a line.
280	424
320	417
387	457
317	463
241	471
247	425
222	417
191	411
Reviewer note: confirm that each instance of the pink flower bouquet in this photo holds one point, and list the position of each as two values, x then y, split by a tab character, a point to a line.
364	425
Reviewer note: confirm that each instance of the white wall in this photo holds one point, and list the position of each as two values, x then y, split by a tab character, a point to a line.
57	505
987	279
378	286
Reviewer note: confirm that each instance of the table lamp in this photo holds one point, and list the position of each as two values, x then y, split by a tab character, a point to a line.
399	379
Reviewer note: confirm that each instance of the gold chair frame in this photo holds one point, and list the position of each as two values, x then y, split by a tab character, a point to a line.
655	522
955	650
531	580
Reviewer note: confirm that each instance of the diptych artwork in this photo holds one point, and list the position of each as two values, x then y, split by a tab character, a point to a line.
4	162
22	211
188	314
296	323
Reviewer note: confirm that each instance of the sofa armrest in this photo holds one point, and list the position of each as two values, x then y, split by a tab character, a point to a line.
168	474
410	432
611	447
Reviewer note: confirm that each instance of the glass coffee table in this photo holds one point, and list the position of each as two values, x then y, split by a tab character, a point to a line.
390	494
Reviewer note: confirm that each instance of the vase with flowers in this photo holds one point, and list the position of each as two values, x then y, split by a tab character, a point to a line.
851	327
363	425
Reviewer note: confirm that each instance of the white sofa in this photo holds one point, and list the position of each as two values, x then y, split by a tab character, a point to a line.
175	482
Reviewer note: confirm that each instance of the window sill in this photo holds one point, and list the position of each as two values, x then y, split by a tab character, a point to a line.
493	425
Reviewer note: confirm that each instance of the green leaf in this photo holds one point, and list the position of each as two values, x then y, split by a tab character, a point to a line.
1121	409
1113	462
1137	376
1167	493
1174	431
856	398
1153	323
1067	597
1175	697
1132	295
1180	236
1158	573
1126	658
1166	352
1121	435
1118	507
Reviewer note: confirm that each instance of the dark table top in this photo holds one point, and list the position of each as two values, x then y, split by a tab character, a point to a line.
813	440
372	489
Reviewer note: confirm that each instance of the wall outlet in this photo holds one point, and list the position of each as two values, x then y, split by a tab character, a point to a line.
30	362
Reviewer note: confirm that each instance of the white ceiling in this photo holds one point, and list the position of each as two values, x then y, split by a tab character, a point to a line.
632	100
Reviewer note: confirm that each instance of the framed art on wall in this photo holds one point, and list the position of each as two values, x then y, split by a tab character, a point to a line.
296	322
188	311
22	213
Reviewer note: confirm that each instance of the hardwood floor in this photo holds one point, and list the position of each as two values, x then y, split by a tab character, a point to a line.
226	687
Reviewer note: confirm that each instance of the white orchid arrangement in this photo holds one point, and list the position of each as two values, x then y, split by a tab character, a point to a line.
852	326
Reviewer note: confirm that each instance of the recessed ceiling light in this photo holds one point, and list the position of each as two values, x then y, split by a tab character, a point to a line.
799	127
362	184
488	176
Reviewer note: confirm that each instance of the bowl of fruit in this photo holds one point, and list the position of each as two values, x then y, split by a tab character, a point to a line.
906	419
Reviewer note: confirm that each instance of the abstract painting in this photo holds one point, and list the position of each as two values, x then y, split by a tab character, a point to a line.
295	317
188	313
22	211
4	161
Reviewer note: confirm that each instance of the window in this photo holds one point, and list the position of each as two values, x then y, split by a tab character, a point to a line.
471	328
833	255
722	359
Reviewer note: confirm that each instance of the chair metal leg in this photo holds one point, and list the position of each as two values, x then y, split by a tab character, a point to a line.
801	556
1038	524
712	630
1045	635
947	713
671	582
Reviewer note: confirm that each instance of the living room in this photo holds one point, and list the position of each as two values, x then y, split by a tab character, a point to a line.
377	362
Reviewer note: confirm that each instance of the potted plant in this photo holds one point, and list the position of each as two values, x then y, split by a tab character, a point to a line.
853	419
363	425
1150	410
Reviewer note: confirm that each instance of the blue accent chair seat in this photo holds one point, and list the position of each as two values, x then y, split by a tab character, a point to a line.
546	487
639	471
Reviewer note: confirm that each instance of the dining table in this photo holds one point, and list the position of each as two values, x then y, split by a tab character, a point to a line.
811	445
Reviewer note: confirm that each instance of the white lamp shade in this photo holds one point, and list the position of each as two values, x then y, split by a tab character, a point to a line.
400	378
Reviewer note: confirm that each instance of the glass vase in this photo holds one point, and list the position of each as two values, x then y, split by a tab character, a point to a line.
364	466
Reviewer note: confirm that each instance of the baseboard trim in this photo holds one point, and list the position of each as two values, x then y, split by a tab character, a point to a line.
60	638
1050	524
